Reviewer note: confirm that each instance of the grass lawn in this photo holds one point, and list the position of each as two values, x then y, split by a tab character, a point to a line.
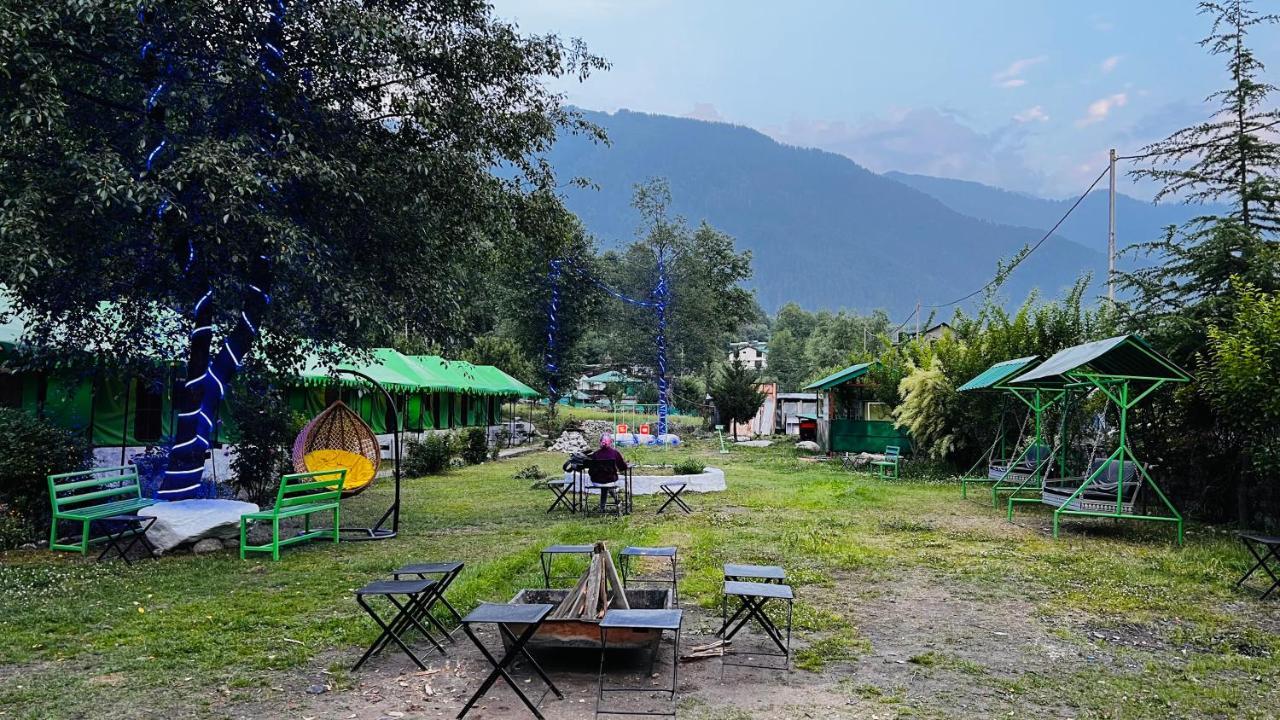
911	603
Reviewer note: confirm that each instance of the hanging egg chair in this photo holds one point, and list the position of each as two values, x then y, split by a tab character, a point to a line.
339	438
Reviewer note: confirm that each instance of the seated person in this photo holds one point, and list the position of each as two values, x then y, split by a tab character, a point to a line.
609	462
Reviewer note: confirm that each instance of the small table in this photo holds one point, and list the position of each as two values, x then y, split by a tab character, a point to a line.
566	494
415	594
1270	547
624	566
531	617
660	620
673	491
446	573
753	597
133	528
549	553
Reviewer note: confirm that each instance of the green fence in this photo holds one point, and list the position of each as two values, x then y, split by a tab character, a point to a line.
867	436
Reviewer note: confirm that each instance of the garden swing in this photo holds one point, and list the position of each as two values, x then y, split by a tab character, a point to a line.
1026	468
1125	369
339	438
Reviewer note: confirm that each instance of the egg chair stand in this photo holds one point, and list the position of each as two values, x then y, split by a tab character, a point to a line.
379	530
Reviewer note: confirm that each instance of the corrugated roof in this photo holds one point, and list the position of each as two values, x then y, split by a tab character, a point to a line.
853	372
997	373
1120	356
609	376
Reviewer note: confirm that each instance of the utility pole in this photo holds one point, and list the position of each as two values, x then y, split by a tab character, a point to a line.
1111	229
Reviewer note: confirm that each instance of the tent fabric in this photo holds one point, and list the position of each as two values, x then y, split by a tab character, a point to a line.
997	373
853	372
1121	356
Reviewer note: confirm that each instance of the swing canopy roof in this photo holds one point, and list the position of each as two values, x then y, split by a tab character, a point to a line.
998	373
853	372
1127	357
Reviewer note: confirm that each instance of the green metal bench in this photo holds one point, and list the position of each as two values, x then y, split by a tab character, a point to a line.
87	496
888	467
300	494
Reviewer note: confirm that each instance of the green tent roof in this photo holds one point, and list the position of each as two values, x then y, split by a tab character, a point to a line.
1127	356
315	372
507	385
853	372
997	373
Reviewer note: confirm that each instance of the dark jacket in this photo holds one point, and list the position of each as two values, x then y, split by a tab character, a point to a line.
602	472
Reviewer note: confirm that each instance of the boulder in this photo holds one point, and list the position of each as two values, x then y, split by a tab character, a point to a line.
189	521
754	443
808	446
207	545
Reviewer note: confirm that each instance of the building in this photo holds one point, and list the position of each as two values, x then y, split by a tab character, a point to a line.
752	354
792	408
935	332
850	419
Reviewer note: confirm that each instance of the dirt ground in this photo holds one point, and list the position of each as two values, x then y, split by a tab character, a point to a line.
936	649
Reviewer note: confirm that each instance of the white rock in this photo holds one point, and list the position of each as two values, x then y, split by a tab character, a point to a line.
207	545
754	443
187	521
808	445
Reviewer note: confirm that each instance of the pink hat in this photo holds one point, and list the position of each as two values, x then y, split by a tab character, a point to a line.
606	440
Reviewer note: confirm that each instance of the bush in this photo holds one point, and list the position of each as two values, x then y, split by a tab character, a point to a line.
267	429
476	449
532	472
689	466
14	531
31	450
429	456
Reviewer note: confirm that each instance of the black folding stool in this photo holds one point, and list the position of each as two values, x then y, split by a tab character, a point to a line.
658	620
1271	551
549	554
407	610
752	573
132	528
624	566
673	491
566	494
754	596
530	617
446	573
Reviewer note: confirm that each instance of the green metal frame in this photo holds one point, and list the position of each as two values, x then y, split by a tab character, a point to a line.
1117	389
299	494
887	469
1039	400
122	493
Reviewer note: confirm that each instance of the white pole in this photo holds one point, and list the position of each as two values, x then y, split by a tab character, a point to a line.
1111	229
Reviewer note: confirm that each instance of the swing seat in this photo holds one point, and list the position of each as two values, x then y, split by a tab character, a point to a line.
1007	470
1100	495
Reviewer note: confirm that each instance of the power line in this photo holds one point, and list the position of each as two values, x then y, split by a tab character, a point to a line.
1027	254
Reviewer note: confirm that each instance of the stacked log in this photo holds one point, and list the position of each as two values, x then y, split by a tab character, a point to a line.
599	589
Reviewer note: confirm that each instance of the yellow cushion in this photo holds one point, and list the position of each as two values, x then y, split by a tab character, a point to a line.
359	470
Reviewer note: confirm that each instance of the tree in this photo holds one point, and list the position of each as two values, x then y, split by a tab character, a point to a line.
787	361
1232	158
245	182
736	394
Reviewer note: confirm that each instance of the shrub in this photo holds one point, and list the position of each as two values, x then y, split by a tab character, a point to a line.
429	456
31	449
689	466
267	429
532	472
14	530
476	449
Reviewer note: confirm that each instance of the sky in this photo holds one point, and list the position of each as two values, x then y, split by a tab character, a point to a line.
1026	95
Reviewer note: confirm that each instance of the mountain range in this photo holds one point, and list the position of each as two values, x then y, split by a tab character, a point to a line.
826	232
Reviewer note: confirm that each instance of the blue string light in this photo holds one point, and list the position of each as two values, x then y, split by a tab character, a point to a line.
196	427
658	302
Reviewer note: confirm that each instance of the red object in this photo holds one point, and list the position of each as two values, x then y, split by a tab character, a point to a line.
644	429
622	428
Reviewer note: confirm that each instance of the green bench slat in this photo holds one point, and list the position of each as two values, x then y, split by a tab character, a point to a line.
107	510
97	495
66	487
291	512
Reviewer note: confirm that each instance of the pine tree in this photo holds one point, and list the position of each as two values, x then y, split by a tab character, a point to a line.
736	394
1229	158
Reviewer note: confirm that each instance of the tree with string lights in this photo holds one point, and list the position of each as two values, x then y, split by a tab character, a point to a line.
237	183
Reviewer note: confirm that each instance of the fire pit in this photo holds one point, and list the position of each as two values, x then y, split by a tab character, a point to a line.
585	633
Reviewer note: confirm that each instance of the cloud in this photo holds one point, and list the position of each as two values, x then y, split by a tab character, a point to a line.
1099	109
1110	63
927	141
1011	77
1032	114
705	111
